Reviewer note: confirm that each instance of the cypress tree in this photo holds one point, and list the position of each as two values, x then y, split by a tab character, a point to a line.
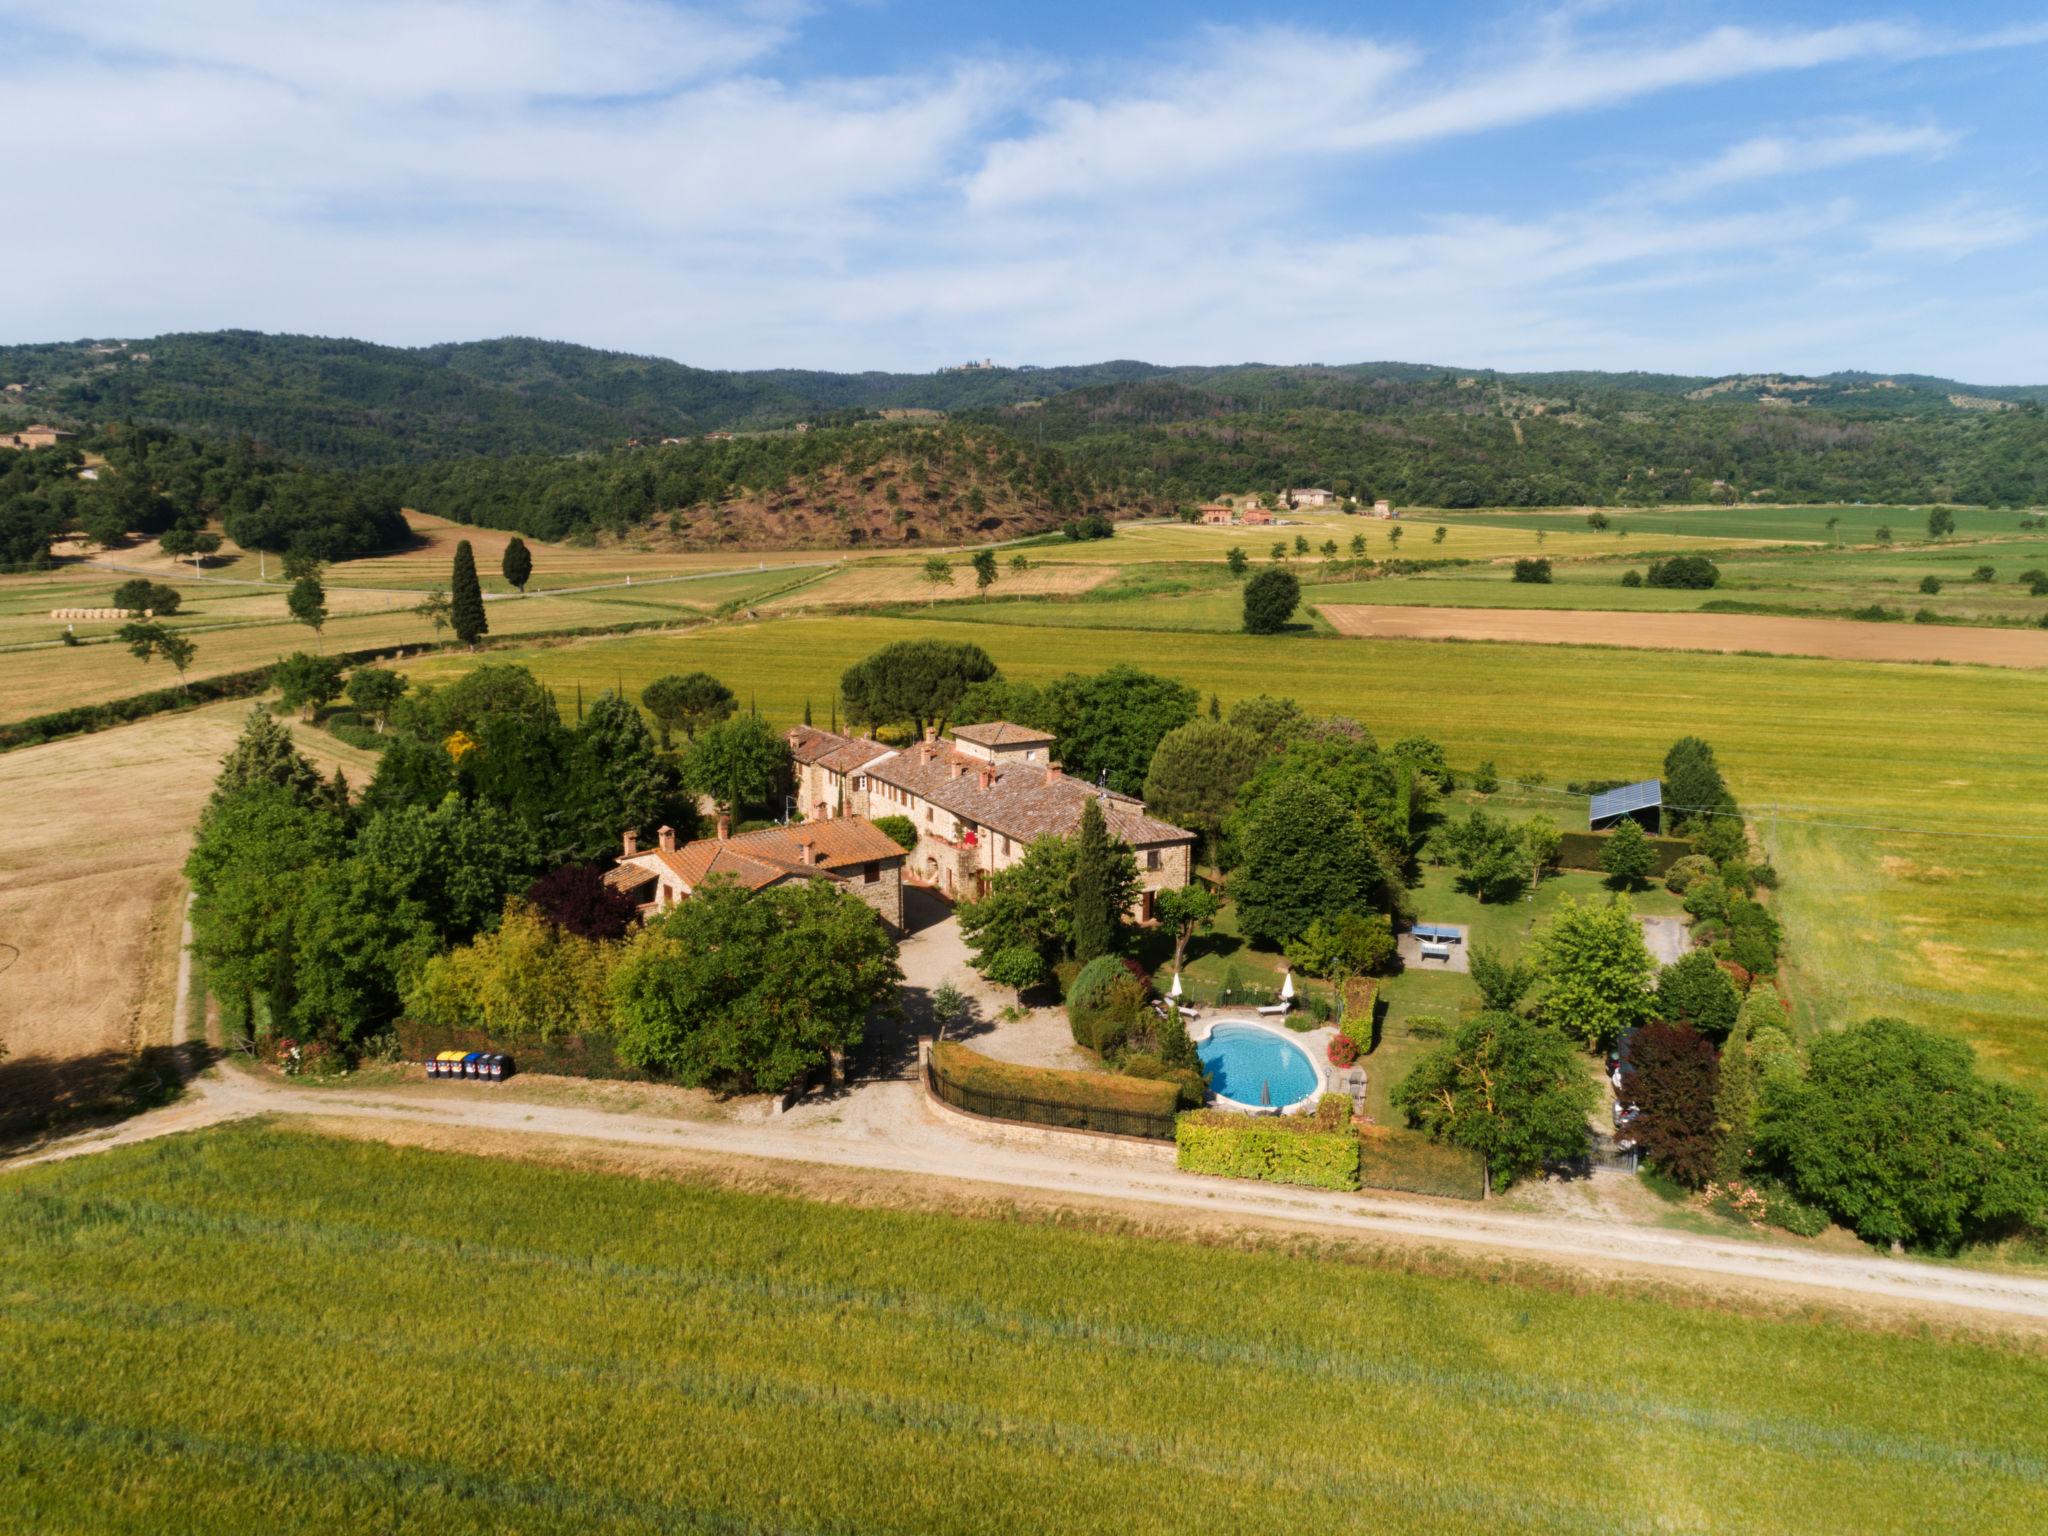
807	711
466	598
518	563
1094	931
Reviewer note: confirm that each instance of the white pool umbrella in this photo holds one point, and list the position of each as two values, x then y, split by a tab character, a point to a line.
1174	990
1287	988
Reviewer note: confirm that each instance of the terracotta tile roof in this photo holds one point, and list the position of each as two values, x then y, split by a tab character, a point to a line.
833	752
1020	800
1000	733
766	856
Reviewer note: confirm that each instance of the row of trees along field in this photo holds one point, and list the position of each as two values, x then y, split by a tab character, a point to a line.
831	469
156	483
464	891
1189	444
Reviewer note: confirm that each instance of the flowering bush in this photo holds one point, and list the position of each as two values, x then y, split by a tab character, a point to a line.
1343	1050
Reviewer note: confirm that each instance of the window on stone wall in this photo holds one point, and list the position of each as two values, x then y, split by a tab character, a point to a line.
870	872
1151	858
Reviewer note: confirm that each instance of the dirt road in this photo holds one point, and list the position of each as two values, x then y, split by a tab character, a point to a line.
1835	639
890	1126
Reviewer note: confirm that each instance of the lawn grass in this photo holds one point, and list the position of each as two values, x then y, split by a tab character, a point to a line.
252	1330
1904	805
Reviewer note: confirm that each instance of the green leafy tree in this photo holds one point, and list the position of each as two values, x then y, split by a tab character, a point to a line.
938	571
1596	971
1234	558
737	762
307	602
1895	1133
1023	926
1693	786
517	566
181	542
1110	724
687	702
1186	910
1097	913
1672	1077
752	989
376	691
457	861
436	610
526	979
913	681
1305	857
1274	723
619	781
1627	856
1940	523
1196	773
355	947
1512	1090
1490	856
1270	599
1358	546
1883	535
984	564
145	639
1694	990
265	754
306	682
1503	980
141	595
466	598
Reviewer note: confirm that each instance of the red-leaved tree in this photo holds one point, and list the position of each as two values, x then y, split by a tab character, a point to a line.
1672	1073
576	898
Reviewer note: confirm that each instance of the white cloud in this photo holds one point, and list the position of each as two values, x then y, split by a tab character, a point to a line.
1960	228
1775	155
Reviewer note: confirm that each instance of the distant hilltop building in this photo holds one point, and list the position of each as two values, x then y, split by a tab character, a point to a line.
970	367
34	437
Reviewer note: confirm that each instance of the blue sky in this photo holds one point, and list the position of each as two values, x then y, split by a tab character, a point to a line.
886	184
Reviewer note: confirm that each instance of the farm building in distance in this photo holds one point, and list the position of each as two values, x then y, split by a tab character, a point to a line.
34	437
1642	802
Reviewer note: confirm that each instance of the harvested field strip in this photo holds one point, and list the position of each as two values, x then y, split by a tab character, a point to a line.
652	1352
1833	639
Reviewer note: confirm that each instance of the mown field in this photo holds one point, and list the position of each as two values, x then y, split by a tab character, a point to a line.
1854	524
252	1330
1907	806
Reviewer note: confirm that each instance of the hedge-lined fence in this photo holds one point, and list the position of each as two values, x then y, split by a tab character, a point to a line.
565	1055
1407	1161
1581	850
1074	1101
1280	1149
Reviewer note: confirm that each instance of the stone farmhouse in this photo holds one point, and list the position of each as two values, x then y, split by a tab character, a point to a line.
850	850
978	800
1259	516
34	437
1313	496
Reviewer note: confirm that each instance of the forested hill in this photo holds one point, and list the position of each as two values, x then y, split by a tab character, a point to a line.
880	484
353	404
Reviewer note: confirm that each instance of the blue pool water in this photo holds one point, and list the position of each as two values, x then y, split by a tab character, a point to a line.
1244	1060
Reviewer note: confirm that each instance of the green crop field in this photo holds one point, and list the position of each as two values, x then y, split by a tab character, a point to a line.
251	1330
1907	806
1854	525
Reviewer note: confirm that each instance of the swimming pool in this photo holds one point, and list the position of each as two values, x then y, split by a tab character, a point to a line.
1256	1066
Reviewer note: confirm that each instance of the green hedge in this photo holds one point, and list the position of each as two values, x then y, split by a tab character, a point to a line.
1281	1149
566	1055
1410	1162
1080	1101
1581	850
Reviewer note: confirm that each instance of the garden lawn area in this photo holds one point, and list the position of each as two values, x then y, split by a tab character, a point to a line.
1904	805
496	1346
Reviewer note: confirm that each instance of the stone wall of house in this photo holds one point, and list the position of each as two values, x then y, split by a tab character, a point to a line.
884	895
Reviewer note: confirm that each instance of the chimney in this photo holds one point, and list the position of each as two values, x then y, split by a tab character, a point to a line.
956	769
804	851
931	733
724	828
988	778
1052	772
668	839
631	841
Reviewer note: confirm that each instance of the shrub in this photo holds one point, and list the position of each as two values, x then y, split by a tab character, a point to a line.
1280	1149
1690	572
1930	585
1686	872
1356	942
1103	1003
1089	1101
1188	1079
1536	571
902	830
1270	599
1984	573
1631	578
1343	1050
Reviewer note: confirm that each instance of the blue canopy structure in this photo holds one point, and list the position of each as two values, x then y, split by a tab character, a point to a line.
1441	933
1629	800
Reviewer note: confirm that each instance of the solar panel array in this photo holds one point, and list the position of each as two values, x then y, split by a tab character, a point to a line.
1648	795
